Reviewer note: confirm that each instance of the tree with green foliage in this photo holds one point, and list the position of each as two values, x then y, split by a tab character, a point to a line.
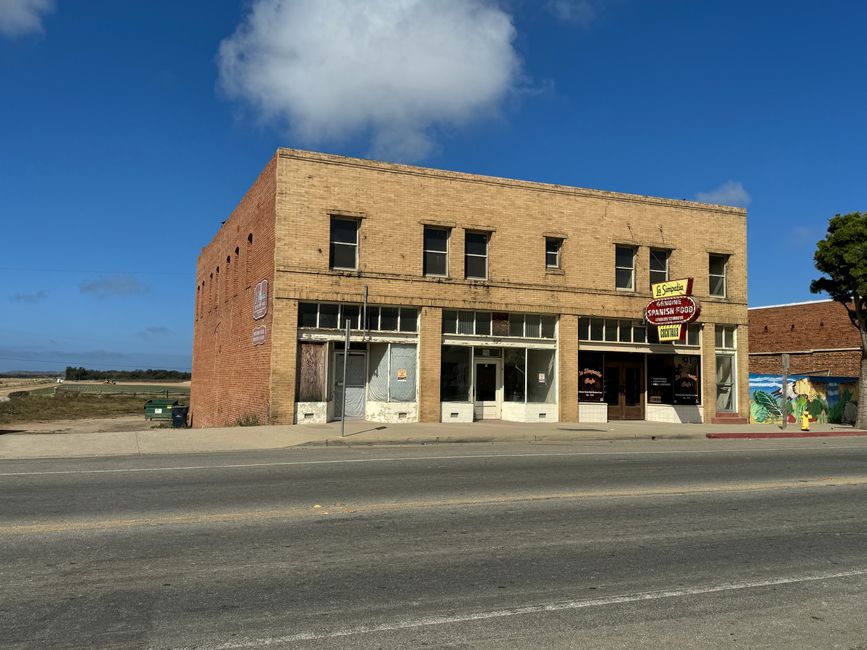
842	258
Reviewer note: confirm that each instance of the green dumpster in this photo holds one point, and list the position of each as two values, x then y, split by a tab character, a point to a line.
159	409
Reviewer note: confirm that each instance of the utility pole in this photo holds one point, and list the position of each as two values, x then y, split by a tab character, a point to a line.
343	396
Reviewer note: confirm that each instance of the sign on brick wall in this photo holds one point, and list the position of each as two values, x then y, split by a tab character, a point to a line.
672	308
259	334
260	300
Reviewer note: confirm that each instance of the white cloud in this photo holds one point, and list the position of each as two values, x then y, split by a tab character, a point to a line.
393	70
113	285
729	193
19	17
581	12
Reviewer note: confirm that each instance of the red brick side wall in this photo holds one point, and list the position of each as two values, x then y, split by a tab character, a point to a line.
812	333
231	376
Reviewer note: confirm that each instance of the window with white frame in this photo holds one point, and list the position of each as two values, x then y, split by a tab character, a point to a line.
626	331
717	266
624	268
391	372
315	315
658	265
436	251
481	323
344	243
552	252
726	391
476	255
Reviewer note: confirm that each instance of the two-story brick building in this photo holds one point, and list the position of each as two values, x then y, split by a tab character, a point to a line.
468	297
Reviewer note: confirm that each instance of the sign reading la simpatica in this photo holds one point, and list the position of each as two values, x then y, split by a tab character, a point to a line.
671	308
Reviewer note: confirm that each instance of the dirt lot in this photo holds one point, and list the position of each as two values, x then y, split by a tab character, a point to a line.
84	425
12	384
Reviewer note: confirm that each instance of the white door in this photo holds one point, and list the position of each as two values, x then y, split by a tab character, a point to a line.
488	390
355	386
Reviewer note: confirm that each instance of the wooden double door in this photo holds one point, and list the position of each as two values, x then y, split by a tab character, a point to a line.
624	386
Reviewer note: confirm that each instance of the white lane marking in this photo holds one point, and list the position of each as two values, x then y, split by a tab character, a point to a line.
427	621
421	458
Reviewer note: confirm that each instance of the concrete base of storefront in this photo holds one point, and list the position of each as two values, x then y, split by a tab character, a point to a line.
173	441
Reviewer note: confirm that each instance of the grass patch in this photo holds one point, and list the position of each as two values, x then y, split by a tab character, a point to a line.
69	406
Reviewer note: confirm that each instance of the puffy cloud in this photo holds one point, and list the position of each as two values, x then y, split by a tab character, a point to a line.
729	193
29	298
393	70
113	285
154	332
18	17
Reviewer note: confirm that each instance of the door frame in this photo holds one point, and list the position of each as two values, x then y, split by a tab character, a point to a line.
496	405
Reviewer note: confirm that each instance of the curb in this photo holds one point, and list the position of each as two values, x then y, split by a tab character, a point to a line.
785	434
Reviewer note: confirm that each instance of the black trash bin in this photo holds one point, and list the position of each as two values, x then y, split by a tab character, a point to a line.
179	417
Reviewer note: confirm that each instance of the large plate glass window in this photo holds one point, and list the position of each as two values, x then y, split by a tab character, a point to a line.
436	247
717	266
476	255
624	268
344	243
455	373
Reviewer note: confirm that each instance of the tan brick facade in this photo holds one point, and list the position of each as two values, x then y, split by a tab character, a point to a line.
289	210
818	336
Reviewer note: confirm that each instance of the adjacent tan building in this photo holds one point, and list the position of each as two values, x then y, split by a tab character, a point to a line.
468	297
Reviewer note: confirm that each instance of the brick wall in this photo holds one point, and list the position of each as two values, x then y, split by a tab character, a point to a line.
231	376
819	337
291	205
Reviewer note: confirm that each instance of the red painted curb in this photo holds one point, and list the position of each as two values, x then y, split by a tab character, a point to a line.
787	434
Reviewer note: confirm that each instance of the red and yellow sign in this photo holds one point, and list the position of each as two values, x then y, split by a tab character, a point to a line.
672	307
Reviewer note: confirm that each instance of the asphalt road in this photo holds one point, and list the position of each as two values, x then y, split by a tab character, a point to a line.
630	544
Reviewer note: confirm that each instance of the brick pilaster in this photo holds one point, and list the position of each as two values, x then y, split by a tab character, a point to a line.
430	355
567	356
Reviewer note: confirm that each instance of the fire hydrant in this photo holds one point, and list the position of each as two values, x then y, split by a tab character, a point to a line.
805	421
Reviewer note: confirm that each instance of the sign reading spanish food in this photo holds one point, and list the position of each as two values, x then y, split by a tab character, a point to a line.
672	308
671	311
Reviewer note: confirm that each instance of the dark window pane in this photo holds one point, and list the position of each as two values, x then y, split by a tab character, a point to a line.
436	239
476	267
352	314
717	264
516	324
624	256
552	245
343	256
624	278
408	319
373	318
596	325
514	374
639	334
328	316
548	323
692	335
717	286
658	260
483	323
344	231
687	380
610	330
590	387
465	322
658	276
434	263
583	329
533	325
660	376
450	322
552	260
476	243
307	314
625	332
388	319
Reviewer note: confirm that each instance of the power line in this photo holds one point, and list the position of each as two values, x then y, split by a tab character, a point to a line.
98	366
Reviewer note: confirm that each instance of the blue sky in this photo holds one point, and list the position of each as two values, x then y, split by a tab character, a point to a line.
129	131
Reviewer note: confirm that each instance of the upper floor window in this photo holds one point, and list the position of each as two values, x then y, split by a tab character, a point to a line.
624	267
717	274
379	319
344	243
436	251
476	255
658	265
724	337
552	252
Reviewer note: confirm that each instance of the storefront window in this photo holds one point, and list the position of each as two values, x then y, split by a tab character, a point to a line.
455	374
514	374
673	379
391	372
541	376
687	379
660	374
590	386
485	323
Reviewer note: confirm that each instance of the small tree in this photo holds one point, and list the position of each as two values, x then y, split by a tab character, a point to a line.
842	257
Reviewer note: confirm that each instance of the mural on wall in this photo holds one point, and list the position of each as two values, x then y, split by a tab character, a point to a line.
826	399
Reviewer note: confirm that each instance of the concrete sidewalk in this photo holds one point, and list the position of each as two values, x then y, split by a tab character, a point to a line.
181	441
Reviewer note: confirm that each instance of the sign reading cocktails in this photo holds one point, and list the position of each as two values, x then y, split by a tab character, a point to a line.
671	308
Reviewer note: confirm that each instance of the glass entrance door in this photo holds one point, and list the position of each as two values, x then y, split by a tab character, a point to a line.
488	387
